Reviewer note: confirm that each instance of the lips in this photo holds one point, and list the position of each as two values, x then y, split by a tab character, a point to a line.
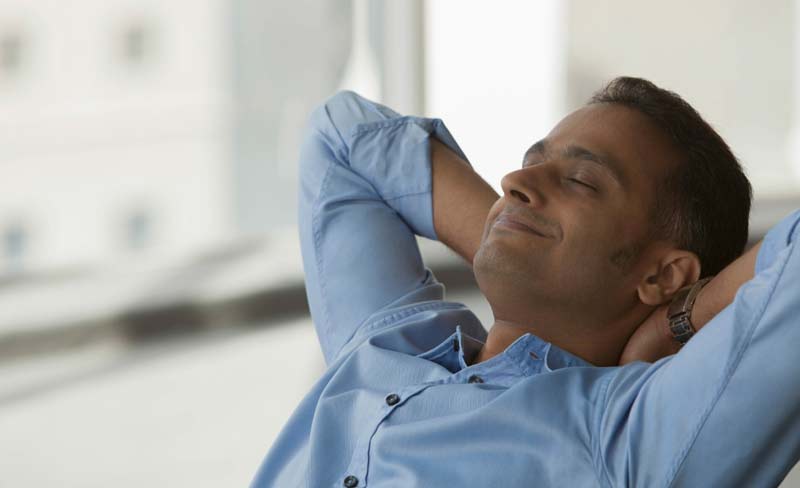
516	222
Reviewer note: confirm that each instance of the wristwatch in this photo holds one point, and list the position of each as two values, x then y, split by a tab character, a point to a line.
680	311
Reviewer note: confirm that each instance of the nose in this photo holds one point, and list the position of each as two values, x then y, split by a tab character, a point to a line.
525	185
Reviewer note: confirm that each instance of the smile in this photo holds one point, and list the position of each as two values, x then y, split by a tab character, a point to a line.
511	223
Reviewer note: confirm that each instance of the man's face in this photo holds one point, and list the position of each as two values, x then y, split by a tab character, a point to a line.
587	190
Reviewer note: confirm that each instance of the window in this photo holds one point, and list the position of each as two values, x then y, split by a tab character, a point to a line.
513	72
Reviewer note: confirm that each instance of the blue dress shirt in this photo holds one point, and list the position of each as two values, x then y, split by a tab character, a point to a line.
401	403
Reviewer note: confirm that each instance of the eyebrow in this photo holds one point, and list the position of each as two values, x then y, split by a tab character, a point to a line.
574	151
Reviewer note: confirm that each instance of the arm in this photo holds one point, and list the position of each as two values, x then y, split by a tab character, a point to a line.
721	290
461	201
723	411
365	190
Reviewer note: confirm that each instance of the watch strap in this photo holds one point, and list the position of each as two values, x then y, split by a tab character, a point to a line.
680	311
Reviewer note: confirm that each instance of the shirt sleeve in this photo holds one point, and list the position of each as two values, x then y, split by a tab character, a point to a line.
364	192
725	410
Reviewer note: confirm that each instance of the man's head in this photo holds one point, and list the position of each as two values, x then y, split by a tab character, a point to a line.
633	196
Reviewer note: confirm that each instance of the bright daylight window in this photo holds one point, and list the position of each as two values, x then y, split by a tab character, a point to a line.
534	62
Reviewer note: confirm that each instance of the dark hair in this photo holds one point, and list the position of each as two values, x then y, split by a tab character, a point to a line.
703	206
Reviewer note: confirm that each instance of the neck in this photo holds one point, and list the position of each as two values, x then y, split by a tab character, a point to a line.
600	345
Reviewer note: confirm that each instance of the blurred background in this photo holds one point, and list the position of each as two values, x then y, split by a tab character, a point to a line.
153	323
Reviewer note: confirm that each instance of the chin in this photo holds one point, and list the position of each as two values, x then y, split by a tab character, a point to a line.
499	270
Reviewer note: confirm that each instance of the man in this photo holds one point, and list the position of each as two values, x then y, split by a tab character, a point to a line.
590	260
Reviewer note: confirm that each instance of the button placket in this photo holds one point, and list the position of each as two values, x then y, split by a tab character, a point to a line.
360	460
392	399
458	347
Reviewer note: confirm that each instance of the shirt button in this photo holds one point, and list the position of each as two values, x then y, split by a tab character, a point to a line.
475	379
351	481
391	400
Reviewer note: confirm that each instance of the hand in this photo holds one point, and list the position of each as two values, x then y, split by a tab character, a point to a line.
651	341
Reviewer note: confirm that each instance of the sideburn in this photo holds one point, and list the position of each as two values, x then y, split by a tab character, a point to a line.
625	257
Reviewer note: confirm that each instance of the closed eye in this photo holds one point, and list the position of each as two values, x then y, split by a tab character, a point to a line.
583	183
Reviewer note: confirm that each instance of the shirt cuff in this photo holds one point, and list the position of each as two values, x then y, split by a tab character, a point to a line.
394	155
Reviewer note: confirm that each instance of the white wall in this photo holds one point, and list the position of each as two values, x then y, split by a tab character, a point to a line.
732	60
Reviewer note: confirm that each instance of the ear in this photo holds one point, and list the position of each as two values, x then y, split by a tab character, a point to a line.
675	269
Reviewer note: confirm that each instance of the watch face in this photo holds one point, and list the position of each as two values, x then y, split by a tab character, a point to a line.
681	328
680	325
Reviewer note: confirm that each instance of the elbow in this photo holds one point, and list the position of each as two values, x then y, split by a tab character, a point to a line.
335	116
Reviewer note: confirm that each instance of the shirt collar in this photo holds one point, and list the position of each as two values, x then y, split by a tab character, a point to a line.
525	350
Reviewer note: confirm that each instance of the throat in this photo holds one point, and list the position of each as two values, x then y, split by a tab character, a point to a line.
501	335
595	348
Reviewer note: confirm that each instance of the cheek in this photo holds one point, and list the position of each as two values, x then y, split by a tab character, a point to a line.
588	246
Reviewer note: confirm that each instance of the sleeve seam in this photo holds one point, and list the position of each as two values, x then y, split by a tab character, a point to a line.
602	475
335	127
795	226
405	195
325	319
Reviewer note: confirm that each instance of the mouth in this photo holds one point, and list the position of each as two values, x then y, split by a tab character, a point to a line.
515	223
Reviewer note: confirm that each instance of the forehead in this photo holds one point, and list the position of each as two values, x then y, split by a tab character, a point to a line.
642	150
